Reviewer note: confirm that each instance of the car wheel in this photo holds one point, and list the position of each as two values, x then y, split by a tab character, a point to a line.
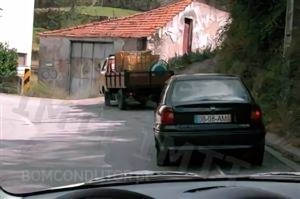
143	103
156	144
258	157
162	157
107	98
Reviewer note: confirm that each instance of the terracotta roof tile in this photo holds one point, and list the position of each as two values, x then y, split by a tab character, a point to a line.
138	25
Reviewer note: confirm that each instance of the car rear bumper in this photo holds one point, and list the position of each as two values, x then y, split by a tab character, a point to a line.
210	140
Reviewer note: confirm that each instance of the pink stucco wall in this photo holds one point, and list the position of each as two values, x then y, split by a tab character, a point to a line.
207	22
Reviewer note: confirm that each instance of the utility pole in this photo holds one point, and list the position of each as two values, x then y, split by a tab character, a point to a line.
292	28
296	57
295	46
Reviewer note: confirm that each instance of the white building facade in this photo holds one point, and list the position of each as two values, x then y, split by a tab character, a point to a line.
16	27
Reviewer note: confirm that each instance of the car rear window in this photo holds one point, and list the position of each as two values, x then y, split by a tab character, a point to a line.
209	90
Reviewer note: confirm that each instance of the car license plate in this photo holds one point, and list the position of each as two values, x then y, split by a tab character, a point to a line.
200	119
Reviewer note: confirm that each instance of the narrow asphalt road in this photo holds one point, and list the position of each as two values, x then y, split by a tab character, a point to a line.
47	143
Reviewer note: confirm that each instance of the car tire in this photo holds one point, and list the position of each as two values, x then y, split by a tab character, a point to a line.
121	100
143	103
162	157
256	156
107	99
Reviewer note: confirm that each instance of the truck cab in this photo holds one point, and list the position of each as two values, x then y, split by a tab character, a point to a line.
107	67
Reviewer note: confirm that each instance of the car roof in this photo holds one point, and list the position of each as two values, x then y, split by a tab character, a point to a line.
204	76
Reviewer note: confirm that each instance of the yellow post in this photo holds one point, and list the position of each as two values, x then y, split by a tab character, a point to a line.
26	81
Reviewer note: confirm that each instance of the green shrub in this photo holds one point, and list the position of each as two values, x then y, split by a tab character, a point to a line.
253	49
8	60
40	89
187	59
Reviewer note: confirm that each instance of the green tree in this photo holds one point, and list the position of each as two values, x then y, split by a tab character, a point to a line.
8	60
253	49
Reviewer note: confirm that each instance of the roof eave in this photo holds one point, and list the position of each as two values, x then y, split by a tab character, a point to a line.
92	36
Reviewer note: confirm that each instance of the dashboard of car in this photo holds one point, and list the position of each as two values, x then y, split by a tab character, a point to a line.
185	190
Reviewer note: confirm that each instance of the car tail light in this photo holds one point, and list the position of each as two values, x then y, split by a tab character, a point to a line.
167	116
256	114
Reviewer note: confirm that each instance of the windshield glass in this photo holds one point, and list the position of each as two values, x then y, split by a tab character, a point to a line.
65	119
213	90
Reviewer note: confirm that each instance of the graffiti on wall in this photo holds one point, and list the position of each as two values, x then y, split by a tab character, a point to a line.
48	73
54	73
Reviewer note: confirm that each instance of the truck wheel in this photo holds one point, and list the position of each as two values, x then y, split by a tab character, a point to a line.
107	98
143	103
121	100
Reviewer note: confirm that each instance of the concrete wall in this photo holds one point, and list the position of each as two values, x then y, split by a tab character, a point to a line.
55	54
16	22
207	21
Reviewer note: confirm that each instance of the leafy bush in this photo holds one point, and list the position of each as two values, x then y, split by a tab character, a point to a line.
187	59
8	60
253	49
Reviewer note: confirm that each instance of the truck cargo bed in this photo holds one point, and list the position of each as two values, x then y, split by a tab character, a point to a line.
137	79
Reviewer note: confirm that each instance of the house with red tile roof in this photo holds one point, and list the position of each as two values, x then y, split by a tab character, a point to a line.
171	30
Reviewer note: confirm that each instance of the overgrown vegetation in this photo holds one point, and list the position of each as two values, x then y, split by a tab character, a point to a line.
129	4
8	60
187	59
68	17
42	90
253	49
9	82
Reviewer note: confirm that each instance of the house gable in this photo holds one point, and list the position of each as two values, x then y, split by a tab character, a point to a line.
207	22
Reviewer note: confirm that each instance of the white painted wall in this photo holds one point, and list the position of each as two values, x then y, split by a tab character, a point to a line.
207	22
16	25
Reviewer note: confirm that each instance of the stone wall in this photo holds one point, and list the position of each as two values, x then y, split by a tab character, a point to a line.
11	85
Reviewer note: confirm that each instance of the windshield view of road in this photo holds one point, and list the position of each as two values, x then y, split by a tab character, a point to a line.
65	142
94	88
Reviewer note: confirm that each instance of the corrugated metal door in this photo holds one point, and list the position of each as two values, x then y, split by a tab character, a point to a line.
84	73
